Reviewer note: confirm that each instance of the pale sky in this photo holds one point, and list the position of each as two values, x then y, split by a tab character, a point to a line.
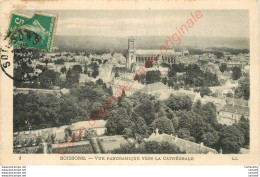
214	23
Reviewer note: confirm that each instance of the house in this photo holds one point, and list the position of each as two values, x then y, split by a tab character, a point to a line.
230	114
233	64
184	145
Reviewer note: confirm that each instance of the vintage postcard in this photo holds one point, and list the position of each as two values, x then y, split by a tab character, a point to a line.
129	83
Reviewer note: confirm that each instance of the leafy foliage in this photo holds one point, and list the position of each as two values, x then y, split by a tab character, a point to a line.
179	102
223	67
231	139
203	91
236	73
150	147
72	77
164	125
243	91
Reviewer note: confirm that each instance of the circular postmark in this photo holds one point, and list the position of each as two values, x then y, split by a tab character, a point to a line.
22	63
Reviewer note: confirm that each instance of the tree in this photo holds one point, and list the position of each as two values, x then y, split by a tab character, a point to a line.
128	148
244	127
110	91
176	86
210	138
223	67
153	76
199	126
168	148
198	78
171	72
243	91
116	74
164	147
72	77
163	64
95	68
141	128
184	133
95	73
99	82
197	106
118	121
208	112
77	68
18	74
203	91
171	81
164	80
69	110
164	125
59	61
179	102
146	110
49	78
63	70
231	139
128	132
85	69
236	73
150	147
230	94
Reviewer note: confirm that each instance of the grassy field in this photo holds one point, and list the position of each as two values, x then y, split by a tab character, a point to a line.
82	147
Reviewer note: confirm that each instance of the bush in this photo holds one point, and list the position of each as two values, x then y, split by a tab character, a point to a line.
150	147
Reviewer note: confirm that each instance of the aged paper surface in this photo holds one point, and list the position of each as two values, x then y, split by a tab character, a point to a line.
129	83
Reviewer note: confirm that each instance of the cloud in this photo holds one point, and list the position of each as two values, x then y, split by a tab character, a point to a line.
120	27
152	23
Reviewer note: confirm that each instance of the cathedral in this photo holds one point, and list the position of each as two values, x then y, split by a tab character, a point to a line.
138	57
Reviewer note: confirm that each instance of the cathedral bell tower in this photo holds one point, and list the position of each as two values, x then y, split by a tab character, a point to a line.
131	52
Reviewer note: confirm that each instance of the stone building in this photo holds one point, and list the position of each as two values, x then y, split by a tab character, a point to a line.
139	56
232	114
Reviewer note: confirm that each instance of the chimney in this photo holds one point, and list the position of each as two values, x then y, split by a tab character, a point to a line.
44	148
156	131
201	144
176	138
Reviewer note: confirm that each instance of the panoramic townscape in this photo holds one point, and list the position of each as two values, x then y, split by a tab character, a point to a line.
133	98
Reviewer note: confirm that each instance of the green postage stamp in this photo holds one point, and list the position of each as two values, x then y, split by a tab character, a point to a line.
35	32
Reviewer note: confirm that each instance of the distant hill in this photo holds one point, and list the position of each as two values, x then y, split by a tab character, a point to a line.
145	42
